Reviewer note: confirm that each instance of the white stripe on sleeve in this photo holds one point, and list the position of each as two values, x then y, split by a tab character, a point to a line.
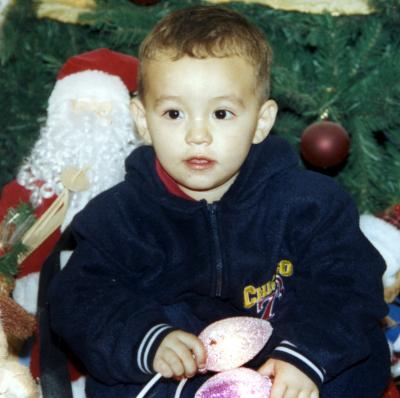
148	339
303	359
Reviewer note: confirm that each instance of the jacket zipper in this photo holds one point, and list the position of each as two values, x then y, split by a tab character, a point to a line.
212	209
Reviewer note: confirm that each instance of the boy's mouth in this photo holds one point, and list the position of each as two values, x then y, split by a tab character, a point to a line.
199	163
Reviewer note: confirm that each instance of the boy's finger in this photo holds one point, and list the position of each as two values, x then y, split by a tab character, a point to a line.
278	390
304	394
267	369
186	357
196	346
291	393
174	362
200	355
160	366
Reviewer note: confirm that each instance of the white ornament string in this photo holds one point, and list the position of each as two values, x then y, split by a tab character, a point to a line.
149	385
179	389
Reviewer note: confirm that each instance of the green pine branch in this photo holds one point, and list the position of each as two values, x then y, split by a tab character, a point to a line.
9	262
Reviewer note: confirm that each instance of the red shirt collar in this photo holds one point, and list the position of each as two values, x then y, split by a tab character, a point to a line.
170	183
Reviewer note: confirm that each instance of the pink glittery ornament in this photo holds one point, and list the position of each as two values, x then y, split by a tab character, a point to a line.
232	342
236	383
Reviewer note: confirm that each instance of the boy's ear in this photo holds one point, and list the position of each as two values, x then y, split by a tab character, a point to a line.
266	119
139	115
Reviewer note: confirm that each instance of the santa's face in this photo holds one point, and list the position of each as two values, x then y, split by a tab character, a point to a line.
83	133
102	109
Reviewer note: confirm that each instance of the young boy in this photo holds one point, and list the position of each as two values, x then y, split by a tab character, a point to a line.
216	219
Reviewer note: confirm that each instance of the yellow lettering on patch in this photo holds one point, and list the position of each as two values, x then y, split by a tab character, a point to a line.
250	296
253	295
285	268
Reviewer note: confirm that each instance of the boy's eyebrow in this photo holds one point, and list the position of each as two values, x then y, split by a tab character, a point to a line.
166	98
231	98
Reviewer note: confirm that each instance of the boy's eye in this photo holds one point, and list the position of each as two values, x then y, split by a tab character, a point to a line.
223	114
173	114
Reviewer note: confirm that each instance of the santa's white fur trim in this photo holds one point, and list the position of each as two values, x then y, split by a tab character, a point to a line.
64	257
26	292
78	388
91	85
386	239
396	345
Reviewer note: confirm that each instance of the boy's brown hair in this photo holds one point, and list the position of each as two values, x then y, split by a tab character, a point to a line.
208	31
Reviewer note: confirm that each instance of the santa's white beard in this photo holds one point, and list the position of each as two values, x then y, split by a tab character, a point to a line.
82	139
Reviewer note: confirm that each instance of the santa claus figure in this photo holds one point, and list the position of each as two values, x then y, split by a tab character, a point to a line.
80	152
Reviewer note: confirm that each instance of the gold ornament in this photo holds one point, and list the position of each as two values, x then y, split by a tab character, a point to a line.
336	7
64	10
74	179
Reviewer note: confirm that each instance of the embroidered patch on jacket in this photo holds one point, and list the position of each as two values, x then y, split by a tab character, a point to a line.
265	296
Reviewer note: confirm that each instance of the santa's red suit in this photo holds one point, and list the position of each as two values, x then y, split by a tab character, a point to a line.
13	194
89	126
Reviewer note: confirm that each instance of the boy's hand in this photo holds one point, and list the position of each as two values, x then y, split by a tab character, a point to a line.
288	381
180	354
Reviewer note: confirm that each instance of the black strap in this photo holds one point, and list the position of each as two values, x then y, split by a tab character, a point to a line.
54	375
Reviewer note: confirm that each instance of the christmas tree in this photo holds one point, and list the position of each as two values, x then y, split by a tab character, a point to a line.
341	68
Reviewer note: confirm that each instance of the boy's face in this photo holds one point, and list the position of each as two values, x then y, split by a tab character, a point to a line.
201	116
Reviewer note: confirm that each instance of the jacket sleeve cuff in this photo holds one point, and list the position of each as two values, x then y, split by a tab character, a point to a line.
288	352
149	345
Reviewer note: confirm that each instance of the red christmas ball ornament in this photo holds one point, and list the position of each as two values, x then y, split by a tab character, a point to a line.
324	144
144	2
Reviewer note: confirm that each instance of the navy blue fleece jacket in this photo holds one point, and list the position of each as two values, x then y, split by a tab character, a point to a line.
283	244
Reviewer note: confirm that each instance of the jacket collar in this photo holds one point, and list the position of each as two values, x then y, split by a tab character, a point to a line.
265	160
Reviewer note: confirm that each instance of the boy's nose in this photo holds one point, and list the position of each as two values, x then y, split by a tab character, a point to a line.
198	134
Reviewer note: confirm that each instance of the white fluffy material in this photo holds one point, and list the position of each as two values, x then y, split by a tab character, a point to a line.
64	257
386	239
396	344
78	388
26	292
80	139
88	85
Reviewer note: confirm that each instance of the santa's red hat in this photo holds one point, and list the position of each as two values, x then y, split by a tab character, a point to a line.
100	74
